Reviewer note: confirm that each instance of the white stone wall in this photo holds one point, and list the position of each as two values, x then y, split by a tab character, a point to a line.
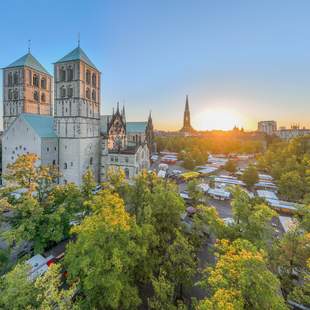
76	156
19	139
49	151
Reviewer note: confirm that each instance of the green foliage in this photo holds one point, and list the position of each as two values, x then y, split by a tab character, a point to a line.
108	256
50	294
241	279
230	166
250	176
195	193
16	291
289	164
291	186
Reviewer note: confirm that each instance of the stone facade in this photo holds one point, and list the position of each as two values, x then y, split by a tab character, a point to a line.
27	88
76	138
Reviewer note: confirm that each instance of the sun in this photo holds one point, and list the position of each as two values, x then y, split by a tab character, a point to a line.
217	118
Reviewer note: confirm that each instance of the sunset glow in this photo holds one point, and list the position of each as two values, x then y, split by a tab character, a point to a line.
217	118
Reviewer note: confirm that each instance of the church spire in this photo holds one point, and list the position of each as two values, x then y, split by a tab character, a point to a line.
117	107
187	127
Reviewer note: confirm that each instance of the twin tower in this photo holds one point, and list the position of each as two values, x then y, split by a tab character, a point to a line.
28	88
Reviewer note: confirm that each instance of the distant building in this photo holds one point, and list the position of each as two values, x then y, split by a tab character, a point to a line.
267	127
187	129
293	132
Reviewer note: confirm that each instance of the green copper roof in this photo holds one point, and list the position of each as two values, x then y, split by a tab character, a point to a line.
77	54
132	127
29	61
43	125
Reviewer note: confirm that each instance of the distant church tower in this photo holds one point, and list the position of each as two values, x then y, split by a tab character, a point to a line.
27	88
187	128
77	115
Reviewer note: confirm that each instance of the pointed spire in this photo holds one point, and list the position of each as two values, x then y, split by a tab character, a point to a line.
150	115
79	39
113	111
123	114
186	104
117	107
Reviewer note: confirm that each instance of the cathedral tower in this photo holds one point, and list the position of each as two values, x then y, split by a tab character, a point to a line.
187	128
27	88
77	115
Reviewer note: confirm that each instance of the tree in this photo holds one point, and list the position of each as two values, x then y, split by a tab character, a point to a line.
301	292
180	264
50	294
230	166
241	278
163	293
195	193
27	174
291	186
251	220
16	291
88	185
290	258
108	256
250	176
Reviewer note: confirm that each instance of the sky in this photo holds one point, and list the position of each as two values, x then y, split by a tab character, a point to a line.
239	61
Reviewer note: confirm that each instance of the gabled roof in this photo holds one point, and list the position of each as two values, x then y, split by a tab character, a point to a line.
43	125
136	127
77	54
28	61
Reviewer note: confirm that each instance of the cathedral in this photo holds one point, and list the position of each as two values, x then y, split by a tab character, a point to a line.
65	127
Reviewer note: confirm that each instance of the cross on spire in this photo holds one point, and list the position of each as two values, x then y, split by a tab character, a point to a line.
29	46
79	39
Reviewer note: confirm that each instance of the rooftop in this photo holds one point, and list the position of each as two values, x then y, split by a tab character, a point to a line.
43	125
30	61
136	127
77	54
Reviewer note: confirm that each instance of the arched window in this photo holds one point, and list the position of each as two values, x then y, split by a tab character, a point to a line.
87	93
65	166
70	74
36	96
70	91
91	161
63	92
35	80
10	95
10	79
43	98
15	78
93	95
87	77
94	80
43	83
15	94
62	74
54	162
